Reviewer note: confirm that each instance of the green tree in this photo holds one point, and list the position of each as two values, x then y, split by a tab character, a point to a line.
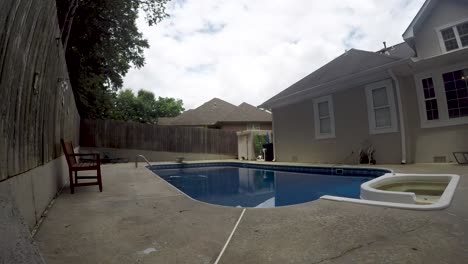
169	107
102	42
259	141
125	106
144	107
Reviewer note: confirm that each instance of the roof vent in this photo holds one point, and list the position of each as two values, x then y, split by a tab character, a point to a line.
385	50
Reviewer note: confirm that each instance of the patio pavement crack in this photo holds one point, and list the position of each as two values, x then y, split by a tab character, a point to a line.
341	254
368	244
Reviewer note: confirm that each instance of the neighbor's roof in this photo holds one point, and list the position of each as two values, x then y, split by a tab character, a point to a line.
215	111
351	62
247	113
164	120
187	117
206	114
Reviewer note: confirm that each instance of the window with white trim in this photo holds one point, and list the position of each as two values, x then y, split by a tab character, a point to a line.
381	107
456	92
449	89
324	118
455	37
430	99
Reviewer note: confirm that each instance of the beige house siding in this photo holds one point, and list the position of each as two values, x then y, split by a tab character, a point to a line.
426	143
295	132
235	127
243	126
445	12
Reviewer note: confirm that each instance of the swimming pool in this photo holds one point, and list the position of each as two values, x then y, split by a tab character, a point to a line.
263	186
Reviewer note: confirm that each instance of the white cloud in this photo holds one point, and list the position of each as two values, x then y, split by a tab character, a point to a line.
247	51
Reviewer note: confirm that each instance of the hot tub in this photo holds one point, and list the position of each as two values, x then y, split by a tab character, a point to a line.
408	191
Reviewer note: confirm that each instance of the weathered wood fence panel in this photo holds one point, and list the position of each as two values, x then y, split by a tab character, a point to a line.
37	104
130	135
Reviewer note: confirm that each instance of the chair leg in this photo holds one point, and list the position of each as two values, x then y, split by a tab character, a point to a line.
70	175
99	178
76	177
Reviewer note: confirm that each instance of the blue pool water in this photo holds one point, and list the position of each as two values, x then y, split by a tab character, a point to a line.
253	187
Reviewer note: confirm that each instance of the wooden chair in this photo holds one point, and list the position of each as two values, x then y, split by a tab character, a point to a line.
74	166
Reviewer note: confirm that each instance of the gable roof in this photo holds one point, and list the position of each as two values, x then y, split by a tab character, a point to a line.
185	117
215	111
247	113
206	114
422	14
351	62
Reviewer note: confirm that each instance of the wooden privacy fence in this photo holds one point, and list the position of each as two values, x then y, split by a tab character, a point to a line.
131	135
37	104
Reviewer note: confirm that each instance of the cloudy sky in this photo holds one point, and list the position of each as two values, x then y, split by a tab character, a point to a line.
249	50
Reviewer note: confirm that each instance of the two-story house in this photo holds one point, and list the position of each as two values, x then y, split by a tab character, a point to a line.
409	101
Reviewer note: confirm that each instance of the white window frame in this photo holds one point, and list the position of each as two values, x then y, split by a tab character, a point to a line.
439	95
373	129
331	113
457	35
439	88
420	92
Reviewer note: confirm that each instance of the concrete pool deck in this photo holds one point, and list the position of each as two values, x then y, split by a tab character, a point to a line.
139	218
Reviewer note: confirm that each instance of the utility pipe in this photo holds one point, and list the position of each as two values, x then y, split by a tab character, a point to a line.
400	114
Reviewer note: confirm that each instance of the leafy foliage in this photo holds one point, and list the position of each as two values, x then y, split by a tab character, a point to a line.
169	107
101	43
144	107
259	141
155	10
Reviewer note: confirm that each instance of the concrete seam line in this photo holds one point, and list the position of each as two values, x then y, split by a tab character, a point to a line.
46	211
229	238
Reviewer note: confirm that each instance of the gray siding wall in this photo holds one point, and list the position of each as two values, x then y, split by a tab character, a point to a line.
426	143
294	132
446	12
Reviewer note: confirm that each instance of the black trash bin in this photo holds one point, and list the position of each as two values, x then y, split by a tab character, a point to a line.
268	152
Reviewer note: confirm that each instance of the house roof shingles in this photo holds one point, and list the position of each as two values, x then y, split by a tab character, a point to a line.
247	113
349	63
215	111
165	120
402	51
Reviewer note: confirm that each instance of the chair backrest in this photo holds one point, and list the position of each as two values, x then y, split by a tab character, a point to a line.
68	151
